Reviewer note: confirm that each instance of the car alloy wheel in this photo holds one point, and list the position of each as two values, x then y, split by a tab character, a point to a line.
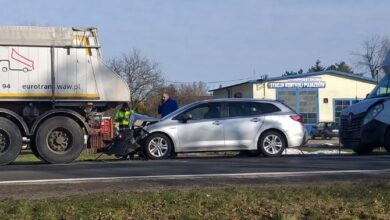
158	147
272	144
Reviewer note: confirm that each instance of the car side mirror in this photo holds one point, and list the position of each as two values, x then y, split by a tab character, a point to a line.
187	117
184	118
368	94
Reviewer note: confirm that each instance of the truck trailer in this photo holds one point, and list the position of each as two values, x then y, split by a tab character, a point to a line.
52	82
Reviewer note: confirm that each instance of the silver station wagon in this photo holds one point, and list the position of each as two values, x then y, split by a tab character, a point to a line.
257	126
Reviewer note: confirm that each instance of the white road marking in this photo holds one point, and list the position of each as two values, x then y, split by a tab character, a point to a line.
166	177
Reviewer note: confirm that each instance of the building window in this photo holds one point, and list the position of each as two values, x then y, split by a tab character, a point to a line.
308	106
303	101
340	104
289	97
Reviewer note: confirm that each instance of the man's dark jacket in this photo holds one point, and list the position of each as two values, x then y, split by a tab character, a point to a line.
167	107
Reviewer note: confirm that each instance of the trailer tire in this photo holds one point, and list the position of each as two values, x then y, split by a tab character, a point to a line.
59	140
10	141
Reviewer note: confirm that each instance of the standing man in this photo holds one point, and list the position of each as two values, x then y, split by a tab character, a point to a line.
122	116
167	106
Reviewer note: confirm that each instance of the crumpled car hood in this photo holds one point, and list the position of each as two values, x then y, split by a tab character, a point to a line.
142	120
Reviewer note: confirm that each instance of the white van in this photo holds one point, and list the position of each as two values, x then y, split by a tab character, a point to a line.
366	125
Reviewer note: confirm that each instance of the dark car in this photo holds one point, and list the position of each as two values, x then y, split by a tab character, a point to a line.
366	125
325	130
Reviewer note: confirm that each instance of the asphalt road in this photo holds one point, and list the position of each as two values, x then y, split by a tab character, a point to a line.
22	180
193	167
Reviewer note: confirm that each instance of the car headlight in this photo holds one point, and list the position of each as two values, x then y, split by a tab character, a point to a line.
372	113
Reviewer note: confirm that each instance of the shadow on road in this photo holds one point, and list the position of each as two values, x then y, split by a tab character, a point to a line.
216	156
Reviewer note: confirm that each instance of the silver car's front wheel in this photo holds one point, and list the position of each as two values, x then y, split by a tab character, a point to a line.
158	146
272	144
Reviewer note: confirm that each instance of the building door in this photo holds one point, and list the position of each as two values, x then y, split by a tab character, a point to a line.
303	101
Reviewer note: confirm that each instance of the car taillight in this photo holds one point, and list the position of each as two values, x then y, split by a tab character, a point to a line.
296	118
119	136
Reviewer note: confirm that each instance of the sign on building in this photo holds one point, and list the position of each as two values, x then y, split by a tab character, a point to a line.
308	82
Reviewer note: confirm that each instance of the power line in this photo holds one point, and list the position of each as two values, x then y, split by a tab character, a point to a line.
209	82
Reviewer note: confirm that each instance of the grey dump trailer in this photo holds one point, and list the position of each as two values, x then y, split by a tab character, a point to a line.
52	83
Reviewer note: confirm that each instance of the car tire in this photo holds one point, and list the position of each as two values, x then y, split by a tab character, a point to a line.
158	146
59	140
10	141
272	144
362	150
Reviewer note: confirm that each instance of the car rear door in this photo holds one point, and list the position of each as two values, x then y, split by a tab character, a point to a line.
242	125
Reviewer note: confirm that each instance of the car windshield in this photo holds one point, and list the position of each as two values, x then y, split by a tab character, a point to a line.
382	89
179	110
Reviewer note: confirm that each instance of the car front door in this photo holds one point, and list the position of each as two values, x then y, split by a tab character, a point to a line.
203	131
242	125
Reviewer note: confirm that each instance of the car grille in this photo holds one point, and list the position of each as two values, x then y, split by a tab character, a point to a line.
353	125
350	129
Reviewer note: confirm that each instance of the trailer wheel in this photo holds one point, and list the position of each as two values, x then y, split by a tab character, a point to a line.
10	141
59	140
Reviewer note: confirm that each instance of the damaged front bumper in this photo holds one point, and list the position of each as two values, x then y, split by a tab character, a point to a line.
131	140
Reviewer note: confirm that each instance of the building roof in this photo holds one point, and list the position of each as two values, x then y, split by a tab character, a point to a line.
331	72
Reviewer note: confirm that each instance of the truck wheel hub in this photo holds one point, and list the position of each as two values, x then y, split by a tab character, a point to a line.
59	140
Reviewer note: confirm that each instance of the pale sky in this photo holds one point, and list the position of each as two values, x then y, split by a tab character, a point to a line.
214	40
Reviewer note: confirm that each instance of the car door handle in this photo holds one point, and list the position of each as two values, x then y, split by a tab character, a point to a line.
216	123
255	120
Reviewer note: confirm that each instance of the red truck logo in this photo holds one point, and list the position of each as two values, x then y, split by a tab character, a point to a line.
28	63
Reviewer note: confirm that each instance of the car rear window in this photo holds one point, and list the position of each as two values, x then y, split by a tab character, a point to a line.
237	109
268	108
287	106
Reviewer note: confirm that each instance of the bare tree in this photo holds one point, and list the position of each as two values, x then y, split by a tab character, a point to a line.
183	93
141	74
374	52
190	92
